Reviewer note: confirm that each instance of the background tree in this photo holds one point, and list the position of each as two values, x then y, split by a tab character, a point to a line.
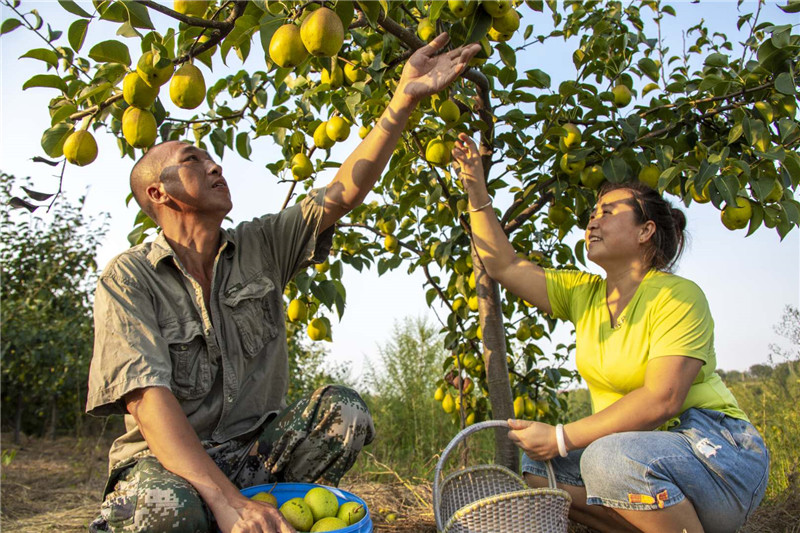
48	278
713	122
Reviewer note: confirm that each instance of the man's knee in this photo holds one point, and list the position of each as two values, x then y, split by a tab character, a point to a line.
148	498
343	411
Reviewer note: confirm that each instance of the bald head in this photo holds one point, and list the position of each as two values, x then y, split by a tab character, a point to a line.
148	171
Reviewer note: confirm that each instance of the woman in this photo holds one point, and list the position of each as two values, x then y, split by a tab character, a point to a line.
667	448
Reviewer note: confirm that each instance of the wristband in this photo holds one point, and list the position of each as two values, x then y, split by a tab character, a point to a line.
562	446
484	206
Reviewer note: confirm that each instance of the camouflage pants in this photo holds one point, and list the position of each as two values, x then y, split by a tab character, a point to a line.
316	439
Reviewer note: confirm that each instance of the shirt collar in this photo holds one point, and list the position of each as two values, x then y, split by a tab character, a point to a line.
160	249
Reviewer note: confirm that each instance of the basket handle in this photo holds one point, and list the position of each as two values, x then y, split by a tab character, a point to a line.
463	434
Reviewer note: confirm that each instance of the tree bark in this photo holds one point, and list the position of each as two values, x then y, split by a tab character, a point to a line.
18	419
494	356
51	423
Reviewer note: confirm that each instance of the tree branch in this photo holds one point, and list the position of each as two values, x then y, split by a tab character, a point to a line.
196	21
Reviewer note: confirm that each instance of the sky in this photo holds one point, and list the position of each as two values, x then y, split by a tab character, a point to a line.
748	281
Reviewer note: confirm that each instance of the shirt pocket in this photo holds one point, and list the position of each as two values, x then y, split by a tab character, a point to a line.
249	303
191	368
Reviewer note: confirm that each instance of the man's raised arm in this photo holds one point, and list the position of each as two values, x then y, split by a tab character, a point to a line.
424	74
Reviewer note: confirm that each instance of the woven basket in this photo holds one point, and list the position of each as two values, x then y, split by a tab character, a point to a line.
493	499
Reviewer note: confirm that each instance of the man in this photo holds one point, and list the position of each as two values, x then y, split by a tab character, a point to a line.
190	338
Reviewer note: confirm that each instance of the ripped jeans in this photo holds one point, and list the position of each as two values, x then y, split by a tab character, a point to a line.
718	462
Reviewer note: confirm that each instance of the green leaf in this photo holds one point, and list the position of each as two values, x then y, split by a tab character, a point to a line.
46	80
371	10
267	27
717	60
728	187
346	11
616	170
480	26
649	67
42	54
436	9
736	131
784	84
792	210
53	139
62	113
507	55
74	8
9	25
77	33
243	145
541	78
138	15
792	6
127	30
110	52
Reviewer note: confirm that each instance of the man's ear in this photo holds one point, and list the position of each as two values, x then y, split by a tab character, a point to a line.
156	193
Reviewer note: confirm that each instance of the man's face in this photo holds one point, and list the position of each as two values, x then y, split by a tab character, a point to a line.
193	181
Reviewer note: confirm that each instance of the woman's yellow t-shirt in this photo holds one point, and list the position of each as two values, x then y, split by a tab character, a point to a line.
668	315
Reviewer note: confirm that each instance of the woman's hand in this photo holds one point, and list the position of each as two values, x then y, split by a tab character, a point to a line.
537	440
470	166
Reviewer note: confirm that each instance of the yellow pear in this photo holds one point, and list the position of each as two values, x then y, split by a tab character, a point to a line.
354	73
622	95
187	89
317	331
297	311
298	514
351	512
426	30
80	148
649	176
136	92
266	497
438	153
508	22
737	216
329	523
449	112
592	177
391	244
336	79
571	140
363	131
322	502
462	8
321	139
496	8
337	129
192	8
286	47
139	127
154	73
322	33
301	166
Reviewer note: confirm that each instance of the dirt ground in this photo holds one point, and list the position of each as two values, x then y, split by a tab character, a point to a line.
56	486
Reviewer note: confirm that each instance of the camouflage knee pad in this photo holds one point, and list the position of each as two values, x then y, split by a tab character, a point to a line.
149	498
317	439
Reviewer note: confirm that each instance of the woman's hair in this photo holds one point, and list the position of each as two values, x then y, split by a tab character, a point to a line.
670	236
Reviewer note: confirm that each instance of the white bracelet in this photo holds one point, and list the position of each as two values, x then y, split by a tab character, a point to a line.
562	446
484	206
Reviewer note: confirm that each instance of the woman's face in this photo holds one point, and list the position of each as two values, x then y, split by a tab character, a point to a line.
613	236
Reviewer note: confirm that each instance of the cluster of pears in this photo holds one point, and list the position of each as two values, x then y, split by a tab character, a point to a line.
329	132
318	510
317	328
525	407
320	34
438	151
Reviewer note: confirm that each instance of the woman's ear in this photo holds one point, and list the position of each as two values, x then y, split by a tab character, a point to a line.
646	231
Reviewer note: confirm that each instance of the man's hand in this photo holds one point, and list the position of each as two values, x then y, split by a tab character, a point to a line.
426	73
250	516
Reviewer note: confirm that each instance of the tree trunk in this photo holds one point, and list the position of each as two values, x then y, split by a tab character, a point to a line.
51	424
18	419
494	357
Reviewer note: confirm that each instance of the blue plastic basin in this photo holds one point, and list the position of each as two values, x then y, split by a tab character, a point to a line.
284	492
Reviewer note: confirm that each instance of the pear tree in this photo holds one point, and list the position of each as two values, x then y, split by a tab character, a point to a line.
714	122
